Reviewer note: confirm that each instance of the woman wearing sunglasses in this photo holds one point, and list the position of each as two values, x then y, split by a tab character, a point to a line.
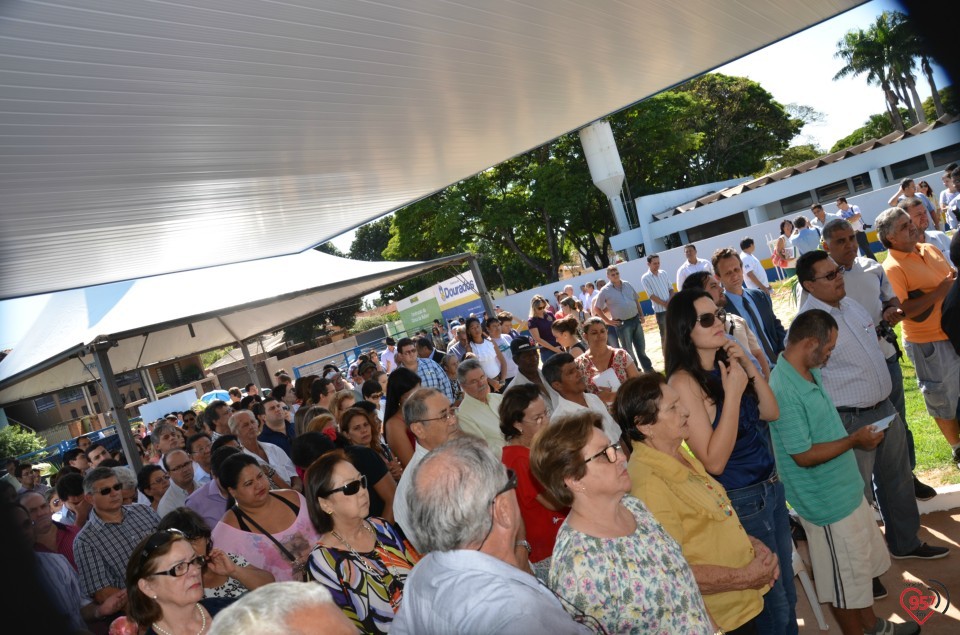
612	559
540	325
732	569
165	589
225	575
360	559
729	403
270	529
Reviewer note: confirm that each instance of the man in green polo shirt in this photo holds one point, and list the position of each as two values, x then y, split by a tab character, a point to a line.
816	462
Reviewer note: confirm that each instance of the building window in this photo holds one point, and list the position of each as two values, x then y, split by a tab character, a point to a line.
131	396
96	407
71	394
832	191
143	393
803	200
43	404
943	156
73	413
861	182
719	226
93	388
909	167
85	410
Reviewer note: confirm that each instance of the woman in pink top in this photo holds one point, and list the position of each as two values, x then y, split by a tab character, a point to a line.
600	358
271	530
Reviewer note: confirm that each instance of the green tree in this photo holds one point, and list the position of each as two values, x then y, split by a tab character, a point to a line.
371	240
793	155
877	125
16	441
947	100
864	53
341	315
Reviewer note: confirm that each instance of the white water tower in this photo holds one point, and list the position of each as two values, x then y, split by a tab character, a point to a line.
606	170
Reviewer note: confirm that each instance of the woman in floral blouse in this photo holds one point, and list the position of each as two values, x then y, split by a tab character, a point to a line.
360	559
612	560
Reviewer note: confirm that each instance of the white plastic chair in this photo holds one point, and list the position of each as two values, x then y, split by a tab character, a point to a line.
800	571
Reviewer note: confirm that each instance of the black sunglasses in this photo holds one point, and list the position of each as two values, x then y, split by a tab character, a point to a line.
104	491
350	488
706	320
157	540
831	276
511	482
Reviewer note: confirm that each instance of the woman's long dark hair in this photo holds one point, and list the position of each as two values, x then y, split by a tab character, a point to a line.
230	473
400	382
680	353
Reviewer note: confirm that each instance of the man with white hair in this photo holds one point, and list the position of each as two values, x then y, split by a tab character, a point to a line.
283	608
479	411
473	578
179	466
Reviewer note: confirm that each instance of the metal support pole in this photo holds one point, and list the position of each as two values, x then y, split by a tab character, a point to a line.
481	286
114	403
248	361
148	384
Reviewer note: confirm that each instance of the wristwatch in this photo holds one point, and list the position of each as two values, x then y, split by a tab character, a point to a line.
524	544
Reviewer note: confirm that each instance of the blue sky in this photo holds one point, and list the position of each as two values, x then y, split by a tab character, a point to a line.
798	70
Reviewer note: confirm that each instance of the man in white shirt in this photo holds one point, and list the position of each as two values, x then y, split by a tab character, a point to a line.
388	356
433	421
851	214
657	285
179	466
589	295
947	195
820	217
692	265
562	374
909	188
754	275
276	464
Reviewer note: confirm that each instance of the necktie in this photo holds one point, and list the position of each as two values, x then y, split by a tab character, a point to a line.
758	325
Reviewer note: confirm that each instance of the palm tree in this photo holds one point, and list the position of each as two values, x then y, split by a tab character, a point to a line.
913	46
900	43
863	54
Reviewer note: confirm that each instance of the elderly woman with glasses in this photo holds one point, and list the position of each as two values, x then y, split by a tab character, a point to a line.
729	403
360	559
225	575
612	559
732	569
540	325
523	413
165	589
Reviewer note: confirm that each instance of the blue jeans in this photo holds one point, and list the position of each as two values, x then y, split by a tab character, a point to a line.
897	399
762	509
631	332
888	467
613	340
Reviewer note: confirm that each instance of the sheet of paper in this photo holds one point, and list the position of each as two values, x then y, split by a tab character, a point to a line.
607	379
883	424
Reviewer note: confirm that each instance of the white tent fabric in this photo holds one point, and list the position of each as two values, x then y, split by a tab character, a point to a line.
133	135
179	314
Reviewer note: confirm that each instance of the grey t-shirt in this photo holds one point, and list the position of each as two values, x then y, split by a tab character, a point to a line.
620	303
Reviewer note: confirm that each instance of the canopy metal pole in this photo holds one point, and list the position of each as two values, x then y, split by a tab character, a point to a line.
114	403
148	384
249	363
481	285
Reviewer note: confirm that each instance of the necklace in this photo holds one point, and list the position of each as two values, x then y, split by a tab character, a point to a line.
385	576
203	622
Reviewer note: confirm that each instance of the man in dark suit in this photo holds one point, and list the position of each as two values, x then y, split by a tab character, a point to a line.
752	305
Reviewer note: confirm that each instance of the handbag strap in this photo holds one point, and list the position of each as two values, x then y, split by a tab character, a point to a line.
241	514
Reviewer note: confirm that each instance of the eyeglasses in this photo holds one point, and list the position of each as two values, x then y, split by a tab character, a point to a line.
446	415
181	467
537	418
831	276
105	491
511	483
350	488
162	479
181	568
610	452
706	320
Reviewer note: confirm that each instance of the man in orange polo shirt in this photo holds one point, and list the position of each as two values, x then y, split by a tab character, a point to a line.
921	277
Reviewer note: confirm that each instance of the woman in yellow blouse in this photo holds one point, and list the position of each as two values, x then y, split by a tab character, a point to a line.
732	569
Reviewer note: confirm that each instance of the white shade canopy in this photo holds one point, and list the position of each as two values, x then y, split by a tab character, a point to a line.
179	314
141	138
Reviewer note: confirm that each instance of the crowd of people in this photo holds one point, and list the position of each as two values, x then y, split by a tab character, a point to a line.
473	479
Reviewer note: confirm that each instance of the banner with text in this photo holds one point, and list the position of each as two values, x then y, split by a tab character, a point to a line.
448	300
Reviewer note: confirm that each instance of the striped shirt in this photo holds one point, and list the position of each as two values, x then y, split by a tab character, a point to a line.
856	375
102	550
657	285
59	580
